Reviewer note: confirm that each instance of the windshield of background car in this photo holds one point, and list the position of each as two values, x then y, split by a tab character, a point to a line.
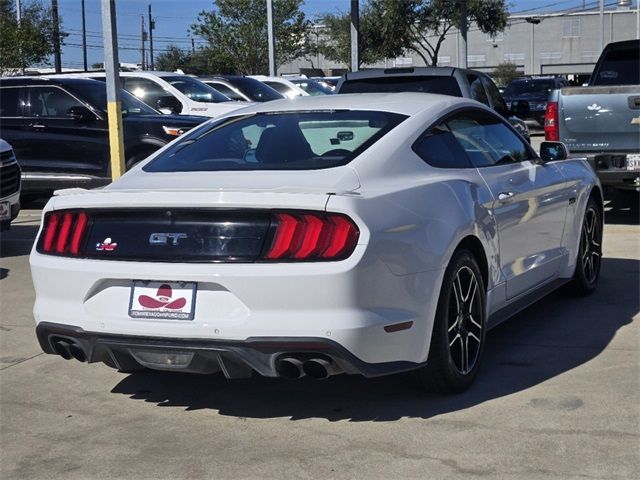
620	67
277	141
313	88
536	87
96	94
196	90
426	84
255	89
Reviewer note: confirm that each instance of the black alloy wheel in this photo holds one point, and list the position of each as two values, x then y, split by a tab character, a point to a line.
459	328
589	260
464	328
590	245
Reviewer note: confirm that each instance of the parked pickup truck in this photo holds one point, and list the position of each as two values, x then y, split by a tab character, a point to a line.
602	120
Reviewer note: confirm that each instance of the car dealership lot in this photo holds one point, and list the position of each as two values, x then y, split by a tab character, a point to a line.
557	397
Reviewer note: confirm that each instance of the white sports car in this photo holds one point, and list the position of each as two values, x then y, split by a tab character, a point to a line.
367	234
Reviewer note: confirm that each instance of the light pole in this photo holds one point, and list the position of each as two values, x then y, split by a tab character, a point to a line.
533	21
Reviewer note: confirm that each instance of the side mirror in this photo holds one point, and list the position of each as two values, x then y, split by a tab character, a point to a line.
520	108
80	114
169	104
550	151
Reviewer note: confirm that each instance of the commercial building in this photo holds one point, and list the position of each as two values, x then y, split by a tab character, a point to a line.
542	44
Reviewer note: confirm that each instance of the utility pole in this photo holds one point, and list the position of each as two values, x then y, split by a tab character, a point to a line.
152	26
56	36
84	39
18	12
601	25
271	38
462	54
355	27
142	39
112	71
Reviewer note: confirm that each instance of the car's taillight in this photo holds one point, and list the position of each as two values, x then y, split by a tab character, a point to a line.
64	233
312	236
551	132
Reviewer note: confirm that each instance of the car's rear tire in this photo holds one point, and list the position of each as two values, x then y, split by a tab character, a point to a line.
587	273
459	329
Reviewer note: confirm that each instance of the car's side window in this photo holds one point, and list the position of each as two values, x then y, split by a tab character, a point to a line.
146	90
497	102
49	102
477	90
486	139
439	148
10	105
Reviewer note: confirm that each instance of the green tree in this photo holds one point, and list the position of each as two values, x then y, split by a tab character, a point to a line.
505	72
28	43
172	59
421	26
334	41
236	32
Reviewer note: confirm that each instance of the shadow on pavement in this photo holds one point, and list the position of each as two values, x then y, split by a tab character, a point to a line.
550	338
17	241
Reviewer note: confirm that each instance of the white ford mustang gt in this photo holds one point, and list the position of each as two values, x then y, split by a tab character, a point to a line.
367	233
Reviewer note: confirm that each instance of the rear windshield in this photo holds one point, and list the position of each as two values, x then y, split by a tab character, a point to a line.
277	141
620	67
427	84
520	87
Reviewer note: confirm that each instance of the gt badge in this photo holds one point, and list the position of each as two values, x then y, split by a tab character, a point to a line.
106	246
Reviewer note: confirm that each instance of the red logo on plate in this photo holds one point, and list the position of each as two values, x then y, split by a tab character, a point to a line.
162	300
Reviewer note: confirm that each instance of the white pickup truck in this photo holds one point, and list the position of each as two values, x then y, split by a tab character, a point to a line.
602	120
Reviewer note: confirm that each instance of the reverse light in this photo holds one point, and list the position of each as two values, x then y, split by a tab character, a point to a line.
312	236
551	128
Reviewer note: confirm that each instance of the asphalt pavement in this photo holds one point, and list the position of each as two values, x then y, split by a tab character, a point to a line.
557	397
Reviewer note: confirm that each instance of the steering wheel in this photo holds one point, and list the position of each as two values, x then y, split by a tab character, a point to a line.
336	152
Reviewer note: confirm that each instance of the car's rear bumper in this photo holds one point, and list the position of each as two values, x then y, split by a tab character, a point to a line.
236	359
358	304
612	172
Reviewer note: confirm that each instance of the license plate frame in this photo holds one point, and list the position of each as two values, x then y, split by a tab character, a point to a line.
162	300
633	162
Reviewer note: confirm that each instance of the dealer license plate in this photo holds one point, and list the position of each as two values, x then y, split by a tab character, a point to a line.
633	161
162	300
5	211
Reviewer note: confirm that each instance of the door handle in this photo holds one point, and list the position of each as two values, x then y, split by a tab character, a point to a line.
37	125
504	196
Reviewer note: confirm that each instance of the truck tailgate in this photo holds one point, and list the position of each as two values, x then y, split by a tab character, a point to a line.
600	119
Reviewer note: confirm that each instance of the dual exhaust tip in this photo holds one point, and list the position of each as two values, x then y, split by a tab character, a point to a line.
318	368
69	350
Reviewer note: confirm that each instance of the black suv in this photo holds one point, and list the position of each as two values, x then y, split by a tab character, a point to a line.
58	129
534	91
456	82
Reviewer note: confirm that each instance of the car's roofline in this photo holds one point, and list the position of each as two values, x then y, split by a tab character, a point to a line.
405	103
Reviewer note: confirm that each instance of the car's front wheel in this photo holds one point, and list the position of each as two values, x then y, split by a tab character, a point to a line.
459	328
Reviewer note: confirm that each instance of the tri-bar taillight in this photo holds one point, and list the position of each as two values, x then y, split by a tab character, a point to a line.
312	236
187	235
64	233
